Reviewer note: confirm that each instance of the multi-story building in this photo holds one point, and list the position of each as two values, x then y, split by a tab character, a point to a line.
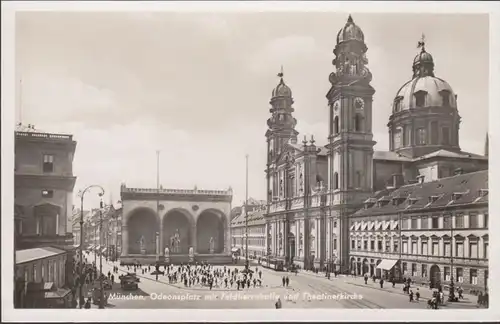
312	191
256	231
43	196
431	232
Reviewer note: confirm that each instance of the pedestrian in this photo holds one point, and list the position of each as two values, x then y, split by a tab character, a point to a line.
88	303
112	279
260	274
410	293
283	280
441	297
417	295
287	281
480	299
381	283
366	279
278	304
460	293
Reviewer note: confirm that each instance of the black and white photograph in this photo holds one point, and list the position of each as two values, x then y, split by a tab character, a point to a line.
241	159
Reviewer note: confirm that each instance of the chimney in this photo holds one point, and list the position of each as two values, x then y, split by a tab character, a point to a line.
421	178
459	171
397	180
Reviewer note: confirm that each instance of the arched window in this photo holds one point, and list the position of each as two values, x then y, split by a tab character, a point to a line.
358	123
335	180
445	95
434	132
420	98
336	124
397	104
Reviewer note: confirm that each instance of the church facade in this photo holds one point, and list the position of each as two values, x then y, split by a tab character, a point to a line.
313	192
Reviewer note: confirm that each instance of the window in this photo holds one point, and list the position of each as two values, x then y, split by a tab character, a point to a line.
434	132
424	248
336	124
47	193
365	245
445	95
447	221
414	247
353	244
447	249
335	244
358	123
414	223
459	275
396	246
435	222
424	270
486	276
397	104
424	222
335	180
446	135
473	249
387	245
447	274
414	269
406	223
359	245
485	249
473	220
405	247
405	268
379	245
48	163
372	245
420	136
420	99
435	248
335	224
35	274
43	272
485	220
473	276
459	251
397	138
459	220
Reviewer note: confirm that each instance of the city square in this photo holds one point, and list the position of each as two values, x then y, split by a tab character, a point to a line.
189	172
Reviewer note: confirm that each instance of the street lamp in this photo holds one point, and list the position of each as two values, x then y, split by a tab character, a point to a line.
82	195
246	216
451	294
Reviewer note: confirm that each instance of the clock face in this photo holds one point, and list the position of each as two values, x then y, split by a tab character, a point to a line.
359	103
336	105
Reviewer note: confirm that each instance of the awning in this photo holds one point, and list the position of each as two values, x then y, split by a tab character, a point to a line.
387	264
235	249
90	247
104	250
97	248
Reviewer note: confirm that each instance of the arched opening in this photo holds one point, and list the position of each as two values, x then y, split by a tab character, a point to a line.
210	229
335	180
358	123
336	125
142	228
352	266
47	219
291	247
366	268
177	236
435	277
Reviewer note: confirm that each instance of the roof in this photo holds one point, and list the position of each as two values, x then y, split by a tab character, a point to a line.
235	211
450	154
28	255
390	156
432	86
254	218
456	190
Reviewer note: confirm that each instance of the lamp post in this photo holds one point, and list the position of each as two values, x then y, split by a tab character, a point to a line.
451	294
82	195
246	216
101	292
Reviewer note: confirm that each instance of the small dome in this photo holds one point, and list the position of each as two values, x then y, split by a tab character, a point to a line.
423	57
350	32
282	90
437	92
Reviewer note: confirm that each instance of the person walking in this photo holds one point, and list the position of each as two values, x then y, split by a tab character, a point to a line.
417	295
278	304
410	294
381	283
460	293
283	280
366	279
287	281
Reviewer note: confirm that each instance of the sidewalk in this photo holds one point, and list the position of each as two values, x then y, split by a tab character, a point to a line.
425	292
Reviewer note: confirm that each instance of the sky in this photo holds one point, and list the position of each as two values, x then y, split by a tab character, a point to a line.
196	86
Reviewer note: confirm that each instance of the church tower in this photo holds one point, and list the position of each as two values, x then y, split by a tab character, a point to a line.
350	141
281	130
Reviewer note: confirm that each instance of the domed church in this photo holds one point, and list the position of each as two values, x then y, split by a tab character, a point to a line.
343	206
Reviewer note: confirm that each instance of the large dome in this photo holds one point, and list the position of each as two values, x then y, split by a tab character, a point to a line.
350	32
435	93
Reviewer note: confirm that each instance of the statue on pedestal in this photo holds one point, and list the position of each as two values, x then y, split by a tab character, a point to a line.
191	254
167	252
175	242
142	244
212	245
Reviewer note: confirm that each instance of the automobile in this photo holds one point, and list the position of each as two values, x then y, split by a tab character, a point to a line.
132	275
96	295
129	284
107	284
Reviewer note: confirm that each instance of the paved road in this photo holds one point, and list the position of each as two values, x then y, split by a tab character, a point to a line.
304	291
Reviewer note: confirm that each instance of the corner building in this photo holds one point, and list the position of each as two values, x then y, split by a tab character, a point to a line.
314	191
